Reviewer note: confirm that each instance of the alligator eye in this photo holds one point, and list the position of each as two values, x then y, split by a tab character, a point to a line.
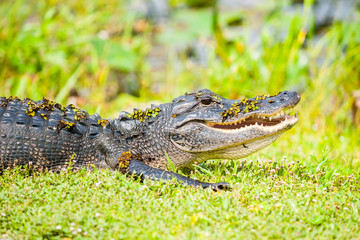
206	101
176	137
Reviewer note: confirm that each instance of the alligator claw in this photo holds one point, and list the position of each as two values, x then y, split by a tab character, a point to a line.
220	186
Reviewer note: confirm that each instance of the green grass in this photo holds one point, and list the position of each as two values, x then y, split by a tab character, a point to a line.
272	200
100	52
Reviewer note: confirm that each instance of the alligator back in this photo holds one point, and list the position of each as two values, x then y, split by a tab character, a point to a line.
45	135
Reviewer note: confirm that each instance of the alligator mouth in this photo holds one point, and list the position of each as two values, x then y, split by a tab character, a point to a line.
284	117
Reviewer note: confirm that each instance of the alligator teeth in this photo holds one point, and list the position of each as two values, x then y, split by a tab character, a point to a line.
257	120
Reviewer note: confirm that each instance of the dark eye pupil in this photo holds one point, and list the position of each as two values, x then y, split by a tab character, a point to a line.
176	137
206	101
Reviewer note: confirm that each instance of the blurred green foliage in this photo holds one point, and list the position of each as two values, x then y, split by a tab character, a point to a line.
106	58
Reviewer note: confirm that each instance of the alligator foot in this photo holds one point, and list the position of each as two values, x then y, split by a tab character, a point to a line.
144	171
220	186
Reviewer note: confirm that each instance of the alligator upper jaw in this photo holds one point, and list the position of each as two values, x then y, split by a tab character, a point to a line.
277	121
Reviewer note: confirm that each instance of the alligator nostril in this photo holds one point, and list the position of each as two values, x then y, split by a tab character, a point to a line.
284	92
282	99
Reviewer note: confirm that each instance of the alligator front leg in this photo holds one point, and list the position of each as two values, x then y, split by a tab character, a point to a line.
143	170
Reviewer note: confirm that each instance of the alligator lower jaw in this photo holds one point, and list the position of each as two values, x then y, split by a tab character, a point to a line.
276	122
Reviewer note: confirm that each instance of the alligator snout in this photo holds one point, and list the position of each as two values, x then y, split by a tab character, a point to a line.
288	98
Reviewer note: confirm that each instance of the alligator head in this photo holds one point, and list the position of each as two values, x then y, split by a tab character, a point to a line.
203	125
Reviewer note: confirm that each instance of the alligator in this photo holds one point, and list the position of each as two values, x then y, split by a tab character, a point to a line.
45	136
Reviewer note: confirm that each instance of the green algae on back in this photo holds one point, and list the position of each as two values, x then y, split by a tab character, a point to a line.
143	115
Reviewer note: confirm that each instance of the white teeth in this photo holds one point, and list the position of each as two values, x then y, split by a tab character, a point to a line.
286	122
280	116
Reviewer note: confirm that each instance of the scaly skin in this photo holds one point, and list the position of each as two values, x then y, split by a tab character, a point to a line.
193	127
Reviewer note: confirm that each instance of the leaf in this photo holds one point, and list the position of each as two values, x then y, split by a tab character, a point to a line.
115	54
99	45
171	165
120	57
57	58
188	26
